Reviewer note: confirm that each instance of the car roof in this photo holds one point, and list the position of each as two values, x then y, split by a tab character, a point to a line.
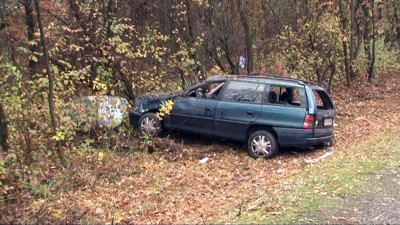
264	78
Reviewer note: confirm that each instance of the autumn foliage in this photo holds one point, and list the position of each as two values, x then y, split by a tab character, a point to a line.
56	51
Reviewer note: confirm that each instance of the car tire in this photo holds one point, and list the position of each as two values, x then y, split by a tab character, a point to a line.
149	125
262	144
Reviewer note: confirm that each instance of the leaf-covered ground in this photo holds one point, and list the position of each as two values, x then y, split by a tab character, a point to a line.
170	185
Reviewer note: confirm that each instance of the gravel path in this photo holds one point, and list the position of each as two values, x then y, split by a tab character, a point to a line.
379	203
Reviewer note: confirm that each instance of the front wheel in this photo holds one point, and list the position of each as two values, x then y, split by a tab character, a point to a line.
149	125
262	144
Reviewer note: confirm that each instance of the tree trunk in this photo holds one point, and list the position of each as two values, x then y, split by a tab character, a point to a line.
367	34
234	67
51	79
28	139
333	71
369	50
371	70
8	38
397	20
3	130
352	40
183	79
274	15
30	26
344	43
3	23
248	40
200	70
210	46
129	92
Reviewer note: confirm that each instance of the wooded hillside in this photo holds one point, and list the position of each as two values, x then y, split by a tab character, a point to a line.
54	51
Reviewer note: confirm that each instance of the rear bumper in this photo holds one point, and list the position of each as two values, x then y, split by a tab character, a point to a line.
292	137
134	118
318	140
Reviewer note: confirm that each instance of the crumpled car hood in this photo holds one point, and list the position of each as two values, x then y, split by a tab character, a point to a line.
148	102
158	96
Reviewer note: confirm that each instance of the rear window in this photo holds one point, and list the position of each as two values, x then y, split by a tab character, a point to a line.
322	99
287	95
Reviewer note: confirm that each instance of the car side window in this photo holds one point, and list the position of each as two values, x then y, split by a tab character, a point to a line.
241	91
208	90
285	95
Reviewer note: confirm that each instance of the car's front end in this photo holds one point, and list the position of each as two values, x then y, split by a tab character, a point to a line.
148	103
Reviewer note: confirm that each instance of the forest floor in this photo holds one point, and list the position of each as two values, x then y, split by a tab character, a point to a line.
170	185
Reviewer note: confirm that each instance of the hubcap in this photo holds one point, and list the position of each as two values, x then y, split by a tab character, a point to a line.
261	146
149	126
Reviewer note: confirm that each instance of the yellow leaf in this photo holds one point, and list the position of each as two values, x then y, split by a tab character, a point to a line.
33	58
101	156
32	43
75	47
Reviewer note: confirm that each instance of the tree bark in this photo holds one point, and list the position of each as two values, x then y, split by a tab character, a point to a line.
397	20
210	46
129	92
8	37
248	40
50	77
344	22
352	40
276	18
368	33
333	71
3	130
30	26
234	67
371	70
200	70
3	23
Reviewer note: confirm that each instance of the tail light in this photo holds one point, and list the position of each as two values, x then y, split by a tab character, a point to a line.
308	122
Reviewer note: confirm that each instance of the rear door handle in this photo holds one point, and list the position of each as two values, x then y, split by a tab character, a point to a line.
209	109
249	112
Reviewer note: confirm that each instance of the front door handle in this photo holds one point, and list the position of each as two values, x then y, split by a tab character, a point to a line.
209	109
249	112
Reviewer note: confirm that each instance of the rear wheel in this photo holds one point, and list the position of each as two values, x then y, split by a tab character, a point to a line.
262	144
149	125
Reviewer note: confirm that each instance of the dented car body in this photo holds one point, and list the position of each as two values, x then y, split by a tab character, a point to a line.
266	111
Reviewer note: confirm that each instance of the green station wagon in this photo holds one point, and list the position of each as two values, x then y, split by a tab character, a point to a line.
266	111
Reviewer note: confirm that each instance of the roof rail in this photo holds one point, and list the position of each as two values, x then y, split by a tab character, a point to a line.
275	76
267	75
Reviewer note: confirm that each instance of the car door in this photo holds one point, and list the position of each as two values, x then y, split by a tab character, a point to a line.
194	115
287	113
239	106
195	112
325	114
285	116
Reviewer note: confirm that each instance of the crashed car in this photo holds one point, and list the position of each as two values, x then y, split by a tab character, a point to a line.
265	111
